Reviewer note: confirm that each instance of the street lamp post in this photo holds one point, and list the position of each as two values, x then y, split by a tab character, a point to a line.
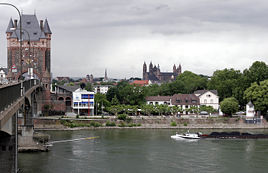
20	38
16	116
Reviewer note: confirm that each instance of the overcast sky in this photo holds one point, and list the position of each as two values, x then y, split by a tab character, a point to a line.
201	35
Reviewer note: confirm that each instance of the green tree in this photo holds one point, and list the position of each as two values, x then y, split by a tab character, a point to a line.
147	109
229	106
257	72
115	109
258	94
225	82
190	82
208	109
101	101
115	101
89	87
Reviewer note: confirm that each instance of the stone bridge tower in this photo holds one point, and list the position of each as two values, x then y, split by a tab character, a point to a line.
36	51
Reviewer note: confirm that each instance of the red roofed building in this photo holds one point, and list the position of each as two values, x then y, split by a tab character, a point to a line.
141	82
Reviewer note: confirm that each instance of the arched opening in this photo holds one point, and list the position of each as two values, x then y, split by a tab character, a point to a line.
68	103
27	113
34	105
61	99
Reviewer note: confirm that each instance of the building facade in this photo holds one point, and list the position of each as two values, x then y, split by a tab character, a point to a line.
36	51
103	89
208	98
83	102
155	75
62	98
183	101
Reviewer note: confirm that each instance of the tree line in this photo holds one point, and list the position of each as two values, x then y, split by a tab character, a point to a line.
251	84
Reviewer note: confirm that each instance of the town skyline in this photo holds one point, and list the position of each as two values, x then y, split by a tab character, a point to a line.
201	36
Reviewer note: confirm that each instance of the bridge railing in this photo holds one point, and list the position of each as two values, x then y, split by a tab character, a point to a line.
10	94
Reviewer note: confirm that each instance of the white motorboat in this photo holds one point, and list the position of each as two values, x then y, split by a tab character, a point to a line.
186	136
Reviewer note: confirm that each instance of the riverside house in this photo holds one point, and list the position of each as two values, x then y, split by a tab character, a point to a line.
184	101
208	98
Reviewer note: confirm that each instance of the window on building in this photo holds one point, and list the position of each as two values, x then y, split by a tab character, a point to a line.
87	96
156	103
211	100
178	100
194	101
205	101
151	103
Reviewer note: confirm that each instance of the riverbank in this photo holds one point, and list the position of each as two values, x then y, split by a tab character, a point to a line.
58	123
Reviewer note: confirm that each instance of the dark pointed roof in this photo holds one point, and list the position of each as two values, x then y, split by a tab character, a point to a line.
47	28
69	88
42	35
250	104
10	25
31	25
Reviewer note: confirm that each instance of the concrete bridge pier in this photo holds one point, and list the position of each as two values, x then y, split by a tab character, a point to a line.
8	149
25	139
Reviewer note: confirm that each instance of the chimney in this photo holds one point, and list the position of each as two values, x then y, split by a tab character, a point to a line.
15	23
41	25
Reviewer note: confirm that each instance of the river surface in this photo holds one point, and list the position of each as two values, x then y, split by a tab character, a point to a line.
146	151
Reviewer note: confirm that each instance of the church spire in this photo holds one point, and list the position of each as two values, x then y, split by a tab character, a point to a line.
105	75
10	25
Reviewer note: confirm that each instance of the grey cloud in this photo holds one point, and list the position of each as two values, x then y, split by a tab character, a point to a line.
90	35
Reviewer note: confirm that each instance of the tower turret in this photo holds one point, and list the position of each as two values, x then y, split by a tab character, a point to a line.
151	67
174	69
179	69
144	67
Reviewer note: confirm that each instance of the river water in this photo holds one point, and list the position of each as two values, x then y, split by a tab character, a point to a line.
146	151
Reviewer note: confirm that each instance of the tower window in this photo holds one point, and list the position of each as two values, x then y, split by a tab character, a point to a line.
28	22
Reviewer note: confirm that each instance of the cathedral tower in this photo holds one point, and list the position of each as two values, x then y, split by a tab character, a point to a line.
144	71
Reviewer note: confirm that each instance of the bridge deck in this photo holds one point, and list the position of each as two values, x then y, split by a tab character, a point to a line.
13	97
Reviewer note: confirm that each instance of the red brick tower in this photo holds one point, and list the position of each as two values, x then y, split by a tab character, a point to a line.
36	38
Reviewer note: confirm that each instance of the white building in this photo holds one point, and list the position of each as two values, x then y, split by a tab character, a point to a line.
3	74
158	100
83	102
208	98
103	89
250	111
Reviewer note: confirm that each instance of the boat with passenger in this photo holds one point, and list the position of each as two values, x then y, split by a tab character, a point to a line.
186	135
